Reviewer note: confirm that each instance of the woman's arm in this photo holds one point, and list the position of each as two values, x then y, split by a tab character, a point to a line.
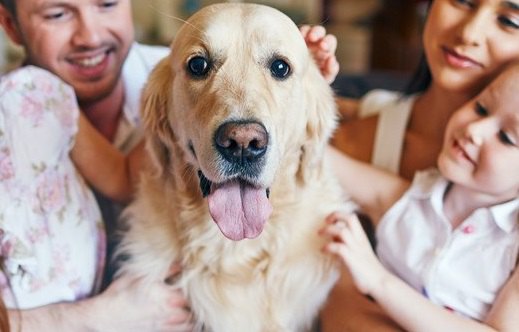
375	190
348	108
103	166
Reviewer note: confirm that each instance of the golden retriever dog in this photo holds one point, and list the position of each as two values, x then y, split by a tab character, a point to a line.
237	119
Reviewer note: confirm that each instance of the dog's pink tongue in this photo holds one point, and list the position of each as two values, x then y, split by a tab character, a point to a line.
239	209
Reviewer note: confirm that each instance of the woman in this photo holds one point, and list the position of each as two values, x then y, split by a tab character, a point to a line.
466	45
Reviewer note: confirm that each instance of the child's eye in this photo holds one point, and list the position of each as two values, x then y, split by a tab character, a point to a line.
505	138
480	110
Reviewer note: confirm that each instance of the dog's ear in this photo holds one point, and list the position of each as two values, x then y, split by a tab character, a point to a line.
155	105
322	121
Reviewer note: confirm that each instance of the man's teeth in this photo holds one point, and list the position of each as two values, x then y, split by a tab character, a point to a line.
91	62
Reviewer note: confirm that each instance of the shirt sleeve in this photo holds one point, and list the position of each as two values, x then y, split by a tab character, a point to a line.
38	121
42	197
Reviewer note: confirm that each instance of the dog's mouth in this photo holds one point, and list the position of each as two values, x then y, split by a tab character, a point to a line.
239	208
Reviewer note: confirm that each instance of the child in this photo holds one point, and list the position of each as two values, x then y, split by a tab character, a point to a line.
452	236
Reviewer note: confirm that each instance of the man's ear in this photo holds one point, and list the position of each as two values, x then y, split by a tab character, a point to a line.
8	22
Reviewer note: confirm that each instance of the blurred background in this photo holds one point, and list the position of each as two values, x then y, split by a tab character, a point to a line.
374	35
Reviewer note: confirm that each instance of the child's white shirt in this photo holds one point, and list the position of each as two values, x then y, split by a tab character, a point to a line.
461	269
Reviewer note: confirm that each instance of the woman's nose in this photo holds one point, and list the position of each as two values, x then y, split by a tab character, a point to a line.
472	30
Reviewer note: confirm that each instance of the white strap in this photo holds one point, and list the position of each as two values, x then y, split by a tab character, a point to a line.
389	138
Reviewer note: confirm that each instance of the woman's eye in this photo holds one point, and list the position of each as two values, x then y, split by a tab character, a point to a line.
480	110
108	4
280	69
508	22
467	3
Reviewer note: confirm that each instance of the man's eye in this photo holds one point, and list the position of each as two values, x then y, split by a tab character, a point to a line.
54	14
480	110
108	4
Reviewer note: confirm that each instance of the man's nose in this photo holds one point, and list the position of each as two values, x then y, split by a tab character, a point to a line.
87	31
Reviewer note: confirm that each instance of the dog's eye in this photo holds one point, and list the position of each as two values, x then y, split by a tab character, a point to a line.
198	66
280	69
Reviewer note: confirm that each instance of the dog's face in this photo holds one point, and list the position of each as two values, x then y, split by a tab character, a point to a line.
241	98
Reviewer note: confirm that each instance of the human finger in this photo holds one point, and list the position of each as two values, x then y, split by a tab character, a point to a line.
330	43
326	48
335	216
353	223
304	29
330	70
316	33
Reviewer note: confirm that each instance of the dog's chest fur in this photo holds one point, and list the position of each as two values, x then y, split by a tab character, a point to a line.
281	125
281	276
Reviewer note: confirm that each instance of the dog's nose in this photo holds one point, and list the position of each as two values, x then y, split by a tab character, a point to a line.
241	141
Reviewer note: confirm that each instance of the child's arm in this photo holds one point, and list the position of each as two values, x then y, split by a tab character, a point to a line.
403	304
503	314
103	166
375	190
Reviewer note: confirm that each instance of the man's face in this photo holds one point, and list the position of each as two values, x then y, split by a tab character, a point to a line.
85	42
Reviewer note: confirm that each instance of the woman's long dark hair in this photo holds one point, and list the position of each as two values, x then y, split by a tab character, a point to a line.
10	5
421	78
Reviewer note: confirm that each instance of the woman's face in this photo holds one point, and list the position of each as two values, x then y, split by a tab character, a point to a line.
467	42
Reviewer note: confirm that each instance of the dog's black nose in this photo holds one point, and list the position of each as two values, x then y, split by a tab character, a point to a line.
241	141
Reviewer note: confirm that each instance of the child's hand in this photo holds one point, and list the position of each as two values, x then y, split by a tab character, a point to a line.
349	242
322	47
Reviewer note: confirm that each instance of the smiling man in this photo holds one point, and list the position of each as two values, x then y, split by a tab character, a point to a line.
90	45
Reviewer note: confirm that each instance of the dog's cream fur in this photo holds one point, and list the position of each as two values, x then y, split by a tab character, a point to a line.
278	280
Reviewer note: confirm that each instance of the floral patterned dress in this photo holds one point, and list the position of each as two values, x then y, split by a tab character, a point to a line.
52	239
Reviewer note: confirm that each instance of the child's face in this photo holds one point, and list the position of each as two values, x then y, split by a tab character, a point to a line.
468	42
481	145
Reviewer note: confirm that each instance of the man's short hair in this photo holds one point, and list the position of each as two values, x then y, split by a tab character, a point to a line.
10	5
